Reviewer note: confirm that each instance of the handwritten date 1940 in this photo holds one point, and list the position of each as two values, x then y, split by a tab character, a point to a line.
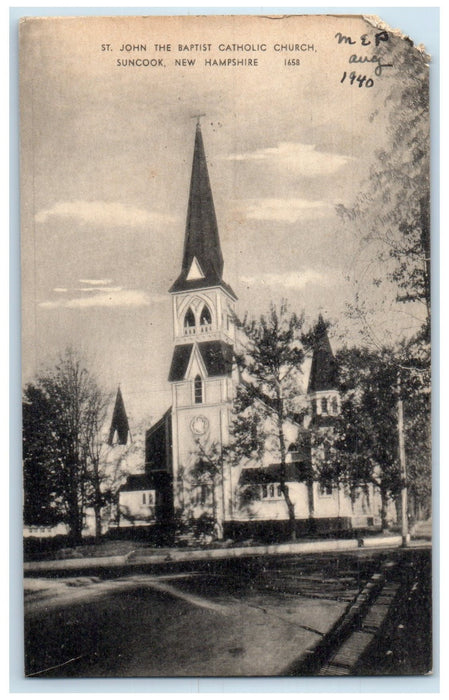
360	79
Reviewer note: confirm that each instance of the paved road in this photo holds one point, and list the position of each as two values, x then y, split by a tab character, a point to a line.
254	617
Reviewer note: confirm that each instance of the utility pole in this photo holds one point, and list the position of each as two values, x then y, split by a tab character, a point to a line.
403	466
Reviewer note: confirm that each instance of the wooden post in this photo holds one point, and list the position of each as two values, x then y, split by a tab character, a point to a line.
403	467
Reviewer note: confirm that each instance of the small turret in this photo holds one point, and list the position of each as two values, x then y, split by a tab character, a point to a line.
119	432
322	389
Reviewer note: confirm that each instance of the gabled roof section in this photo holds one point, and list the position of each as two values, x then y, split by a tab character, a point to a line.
158	445
195	271
201	240
323	372
216	355
137	482
180	362
119	423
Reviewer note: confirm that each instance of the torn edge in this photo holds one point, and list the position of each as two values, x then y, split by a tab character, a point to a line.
378	23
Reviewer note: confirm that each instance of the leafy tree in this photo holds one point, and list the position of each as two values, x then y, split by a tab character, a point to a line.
391	215
418	444
64	410
363	446
198	488
267	396
40	505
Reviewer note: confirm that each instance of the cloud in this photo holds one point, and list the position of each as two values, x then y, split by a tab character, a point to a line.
60	289
96	282
288	210
103	214
116	297
99	289
296	158
291	280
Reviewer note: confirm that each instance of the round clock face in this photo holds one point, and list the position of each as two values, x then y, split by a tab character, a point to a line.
199	425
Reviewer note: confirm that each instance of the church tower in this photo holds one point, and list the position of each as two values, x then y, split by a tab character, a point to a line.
201	372
323	390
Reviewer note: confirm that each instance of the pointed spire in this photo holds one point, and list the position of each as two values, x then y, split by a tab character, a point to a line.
119	423
201	243
323	372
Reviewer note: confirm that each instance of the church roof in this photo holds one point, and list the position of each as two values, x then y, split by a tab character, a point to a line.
202	248
216	355
138	482
323	372
119	422
158	445
295	471
180	362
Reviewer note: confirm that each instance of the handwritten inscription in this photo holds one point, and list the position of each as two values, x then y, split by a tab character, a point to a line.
370	59
360	80
364	40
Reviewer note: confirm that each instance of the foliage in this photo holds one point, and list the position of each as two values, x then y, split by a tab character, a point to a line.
392	214
63	451
268	394
41	505
363	447
197	518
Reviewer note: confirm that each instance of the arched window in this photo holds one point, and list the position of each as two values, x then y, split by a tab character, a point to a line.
205	319
189	322
198	389
324	405
334	405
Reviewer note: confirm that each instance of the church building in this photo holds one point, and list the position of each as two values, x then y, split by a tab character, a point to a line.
183	477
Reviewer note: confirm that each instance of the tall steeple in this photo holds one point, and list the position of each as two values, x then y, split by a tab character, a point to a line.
202	263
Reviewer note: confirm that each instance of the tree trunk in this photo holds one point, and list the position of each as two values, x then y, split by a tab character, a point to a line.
383	508
97	511
311	505
75	525
97	501
75	513
291	510
283	485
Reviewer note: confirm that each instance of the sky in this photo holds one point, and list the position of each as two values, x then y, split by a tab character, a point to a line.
105	169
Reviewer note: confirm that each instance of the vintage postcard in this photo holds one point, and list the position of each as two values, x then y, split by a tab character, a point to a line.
226	347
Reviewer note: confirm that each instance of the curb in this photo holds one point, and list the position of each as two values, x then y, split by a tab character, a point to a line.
342	645
132	559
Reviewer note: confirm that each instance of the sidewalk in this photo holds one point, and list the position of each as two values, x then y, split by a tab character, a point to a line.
134	559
